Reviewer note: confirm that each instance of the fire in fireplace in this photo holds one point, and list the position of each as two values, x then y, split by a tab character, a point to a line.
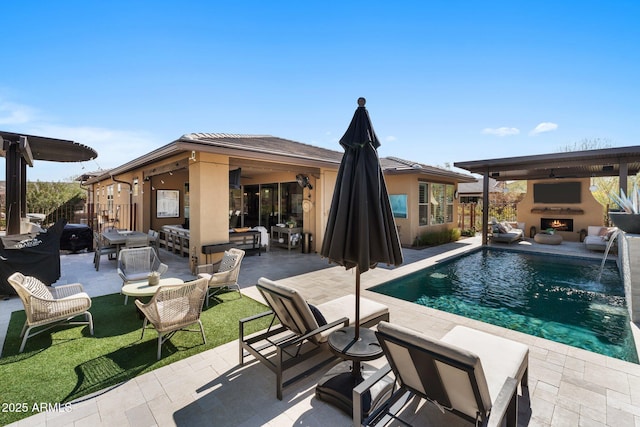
558	224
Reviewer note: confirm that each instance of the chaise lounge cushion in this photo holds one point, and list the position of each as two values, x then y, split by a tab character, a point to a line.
493	358
331	310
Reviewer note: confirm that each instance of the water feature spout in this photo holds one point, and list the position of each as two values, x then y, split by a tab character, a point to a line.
606	251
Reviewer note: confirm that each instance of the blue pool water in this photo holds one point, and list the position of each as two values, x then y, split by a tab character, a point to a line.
553	297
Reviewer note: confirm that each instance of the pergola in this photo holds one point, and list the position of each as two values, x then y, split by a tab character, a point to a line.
620	162
21	150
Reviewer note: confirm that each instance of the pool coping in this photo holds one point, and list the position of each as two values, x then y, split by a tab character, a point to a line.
534	249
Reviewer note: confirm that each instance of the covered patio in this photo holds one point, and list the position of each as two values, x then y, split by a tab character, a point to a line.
620	161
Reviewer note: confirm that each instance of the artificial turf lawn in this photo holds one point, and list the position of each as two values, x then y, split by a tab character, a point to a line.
67	363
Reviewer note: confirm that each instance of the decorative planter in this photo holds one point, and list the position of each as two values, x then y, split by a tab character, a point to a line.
154	279
629	223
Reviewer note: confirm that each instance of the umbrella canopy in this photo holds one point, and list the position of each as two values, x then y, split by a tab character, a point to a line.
361	231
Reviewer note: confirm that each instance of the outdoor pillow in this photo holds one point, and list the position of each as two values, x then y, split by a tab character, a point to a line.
502	228
320	320
228	261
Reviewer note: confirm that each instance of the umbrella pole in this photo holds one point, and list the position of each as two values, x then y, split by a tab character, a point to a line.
357	322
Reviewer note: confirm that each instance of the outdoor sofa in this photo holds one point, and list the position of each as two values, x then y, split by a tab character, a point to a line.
598	238
507	232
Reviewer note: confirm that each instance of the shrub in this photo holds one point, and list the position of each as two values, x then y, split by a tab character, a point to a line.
433	238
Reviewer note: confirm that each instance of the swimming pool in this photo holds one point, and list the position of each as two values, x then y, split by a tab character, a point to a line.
553	297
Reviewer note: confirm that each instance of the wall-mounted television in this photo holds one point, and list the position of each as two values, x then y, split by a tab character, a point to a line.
557	192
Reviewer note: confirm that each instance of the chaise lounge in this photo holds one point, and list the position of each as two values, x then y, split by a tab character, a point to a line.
469	373
303	330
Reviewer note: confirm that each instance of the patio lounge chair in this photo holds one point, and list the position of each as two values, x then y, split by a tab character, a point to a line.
136	264
173	308
303	329
50	306
226	277
470	373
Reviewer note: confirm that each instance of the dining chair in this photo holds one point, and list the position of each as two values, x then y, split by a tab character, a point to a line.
141	241
101	248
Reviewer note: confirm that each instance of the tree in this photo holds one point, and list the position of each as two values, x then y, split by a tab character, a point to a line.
46	197
601	186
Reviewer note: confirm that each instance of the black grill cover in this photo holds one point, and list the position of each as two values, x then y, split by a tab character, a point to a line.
76	237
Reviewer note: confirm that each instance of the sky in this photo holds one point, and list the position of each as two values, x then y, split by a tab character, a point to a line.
445	81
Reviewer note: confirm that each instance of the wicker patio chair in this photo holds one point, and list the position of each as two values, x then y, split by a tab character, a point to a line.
470	373
50	306
136	264
226	276
174	308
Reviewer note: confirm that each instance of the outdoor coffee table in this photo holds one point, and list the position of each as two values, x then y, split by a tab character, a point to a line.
336	386
142	288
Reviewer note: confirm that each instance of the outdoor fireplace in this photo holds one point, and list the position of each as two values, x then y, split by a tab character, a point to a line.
558	224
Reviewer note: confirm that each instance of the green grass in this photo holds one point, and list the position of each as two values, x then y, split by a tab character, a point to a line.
67	363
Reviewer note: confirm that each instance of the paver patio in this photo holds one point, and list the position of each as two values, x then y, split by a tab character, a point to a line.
568	386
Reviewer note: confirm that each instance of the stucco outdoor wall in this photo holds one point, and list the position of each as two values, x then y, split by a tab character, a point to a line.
325	186
593	211
409	228
209	201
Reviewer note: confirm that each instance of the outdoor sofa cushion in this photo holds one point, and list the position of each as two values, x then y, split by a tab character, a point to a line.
506	232
598	237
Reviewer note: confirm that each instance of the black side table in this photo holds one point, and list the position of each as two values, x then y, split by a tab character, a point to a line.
336	386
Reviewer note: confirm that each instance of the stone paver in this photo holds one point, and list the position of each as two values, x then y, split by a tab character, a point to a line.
568	386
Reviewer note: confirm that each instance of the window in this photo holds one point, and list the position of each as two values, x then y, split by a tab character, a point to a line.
441	203
435	203
110	198
423	203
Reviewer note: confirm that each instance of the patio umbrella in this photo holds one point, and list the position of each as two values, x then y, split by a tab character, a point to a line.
361	231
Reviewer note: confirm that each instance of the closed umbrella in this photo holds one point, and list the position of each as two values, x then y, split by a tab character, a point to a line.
361	231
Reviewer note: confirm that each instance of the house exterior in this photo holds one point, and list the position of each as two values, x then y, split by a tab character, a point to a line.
211	183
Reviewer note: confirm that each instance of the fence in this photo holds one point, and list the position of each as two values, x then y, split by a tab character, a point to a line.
470	214
96	216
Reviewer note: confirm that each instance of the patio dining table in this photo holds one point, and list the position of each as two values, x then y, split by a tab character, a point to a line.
118	238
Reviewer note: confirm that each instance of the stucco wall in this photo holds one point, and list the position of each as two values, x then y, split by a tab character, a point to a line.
409	228
592	210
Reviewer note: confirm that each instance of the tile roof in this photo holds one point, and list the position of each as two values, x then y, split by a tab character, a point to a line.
395	164
264	143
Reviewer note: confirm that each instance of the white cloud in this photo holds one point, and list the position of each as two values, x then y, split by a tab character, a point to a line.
391	138
13	114
114	147
544	127
503	131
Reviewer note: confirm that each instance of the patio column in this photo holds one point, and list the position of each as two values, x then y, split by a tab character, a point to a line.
623	177
209	202
485	207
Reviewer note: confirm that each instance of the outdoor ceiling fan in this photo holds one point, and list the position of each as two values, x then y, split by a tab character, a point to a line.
303	181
